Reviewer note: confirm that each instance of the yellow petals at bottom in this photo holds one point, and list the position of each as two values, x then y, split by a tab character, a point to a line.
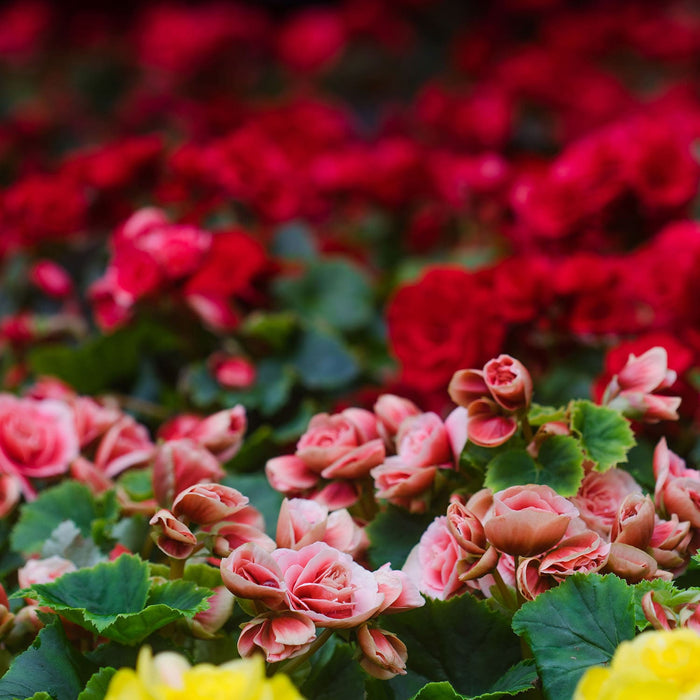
658	665
168	676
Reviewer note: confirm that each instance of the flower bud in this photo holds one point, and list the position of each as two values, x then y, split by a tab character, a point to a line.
173	537
634	523
279	636
251	572
630	563
391	411
206	504
509	382
384	654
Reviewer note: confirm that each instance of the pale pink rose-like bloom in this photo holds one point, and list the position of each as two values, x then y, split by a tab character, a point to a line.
358	462
43	570
178	464
433	564
229	536
279	635
600	496
344	534
681	497
290	475
634	523
328	586
336	494
400	592
92	419
173	537
206	504
630	563
251	572
126	444
84	471
487	425
37	438
669	544
205	624
508	382
528	520
584	553
221	433
467	386
422	441
647	372
391	411
51	388
402	484
384	655
667	466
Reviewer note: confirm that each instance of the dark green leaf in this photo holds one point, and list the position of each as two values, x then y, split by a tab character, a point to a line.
539	415
257	448
50	665
460	640
66	541
511	468
517	679
323	362
273	384
138	483
576	625
336	292
392	535
335	676
202	386
441	690
38	519
273	330
96	687
294	242
606	436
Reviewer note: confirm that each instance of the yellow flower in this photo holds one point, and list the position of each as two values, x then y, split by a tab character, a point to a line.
658	665
168	676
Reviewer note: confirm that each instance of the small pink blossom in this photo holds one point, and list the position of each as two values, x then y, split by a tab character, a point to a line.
279	635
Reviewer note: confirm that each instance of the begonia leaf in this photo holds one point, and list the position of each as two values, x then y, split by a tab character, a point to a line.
96	687
272	329
333	291
67	541
576	625
605	434
665	592
38	519
441	690
323	362
538	415
558	465
50	665
392	535
335	675
460	640
117	600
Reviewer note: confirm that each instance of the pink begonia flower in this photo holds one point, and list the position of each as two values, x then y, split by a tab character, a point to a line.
279	635
206	504
391	411
84	471
467	386
508	382
487	426
631	390
384	655
92	419
433	564
10	493
328	586
630	563
677	487
336	494
422	441
600	495
43	570
221	433
251	572
634	524
229	536
528	520
358	462
51	279
205	624
290	475
126	444
178	464
37	438
173	537
669	544
233	372
400	592
402	485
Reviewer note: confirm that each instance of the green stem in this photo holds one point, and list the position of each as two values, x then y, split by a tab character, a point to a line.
526	427
297	661
505	591
177	568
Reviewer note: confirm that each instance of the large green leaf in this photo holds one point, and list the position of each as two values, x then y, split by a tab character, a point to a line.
460	640
392	535
335	675
576	625
50	665
336	292
38	519
118	600
605	434
558	465
323	362
441	690
96	687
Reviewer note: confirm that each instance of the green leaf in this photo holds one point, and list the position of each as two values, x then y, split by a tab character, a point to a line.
38	519
273	384
257	448
574	626
96	687
605	434
517	679
460	640
539	415
274	330
437	691
392	535
118	601
335	675
201	385
333	291
50	665
138	483
66	541
294	241
558	465
323	362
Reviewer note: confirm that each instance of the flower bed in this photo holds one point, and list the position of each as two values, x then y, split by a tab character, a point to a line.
349	350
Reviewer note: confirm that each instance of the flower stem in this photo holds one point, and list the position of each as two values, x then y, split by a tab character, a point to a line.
526	427
505	591
177	568
297	661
